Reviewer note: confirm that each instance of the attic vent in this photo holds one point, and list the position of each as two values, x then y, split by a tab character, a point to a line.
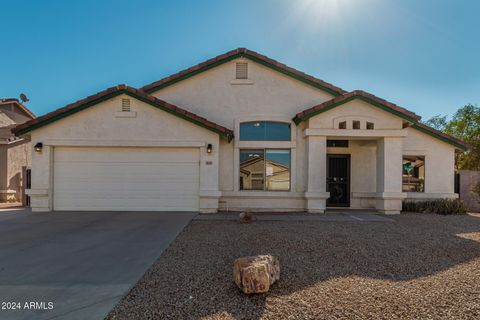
125	105
242	70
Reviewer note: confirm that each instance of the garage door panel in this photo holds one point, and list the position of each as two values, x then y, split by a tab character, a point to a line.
104	189
126	179
126	155
148	197
167	173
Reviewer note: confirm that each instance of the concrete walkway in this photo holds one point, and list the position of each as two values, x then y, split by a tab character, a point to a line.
345	215
81	262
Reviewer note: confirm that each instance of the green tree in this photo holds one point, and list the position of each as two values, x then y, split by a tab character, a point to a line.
438	122
465	125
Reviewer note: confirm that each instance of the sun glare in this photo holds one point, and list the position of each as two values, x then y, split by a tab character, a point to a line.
321	13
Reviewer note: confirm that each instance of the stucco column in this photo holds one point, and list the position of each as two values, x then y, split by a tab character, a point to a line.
41	191
209	175
389	175
316	194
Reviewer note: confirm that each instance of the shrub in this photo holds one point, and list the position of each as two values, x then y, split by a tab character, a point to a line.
440	206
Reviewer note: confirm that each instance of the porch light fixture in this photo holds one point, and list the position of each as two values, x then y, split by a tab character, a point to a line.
38	147
209	148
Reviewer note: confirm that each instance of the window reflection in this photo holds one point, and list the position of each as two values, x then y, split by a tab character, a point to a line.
413	178
277	170
265	169
252	167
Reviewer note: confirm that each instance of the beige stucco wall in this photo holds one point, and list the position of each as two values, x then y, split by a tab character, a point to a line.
439	163
3	167
267	95
356	110
216	95
19	156
16	115
101	125
103	122
14	156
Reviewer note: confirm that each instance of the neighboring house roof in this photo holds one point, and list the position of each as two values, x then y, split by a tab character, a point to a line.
113	92
244	165
20	105
8	120
249	54
361	95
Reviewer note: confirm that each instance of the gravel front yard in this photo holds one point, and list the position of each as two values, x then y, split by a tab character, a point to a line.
420	266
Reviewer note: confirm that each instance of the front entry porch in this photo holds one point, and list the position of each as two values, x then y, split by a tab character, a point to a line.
338	180
359	171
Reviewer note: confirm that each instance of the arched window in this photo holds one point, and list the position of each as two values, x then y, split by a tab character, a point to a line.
265	131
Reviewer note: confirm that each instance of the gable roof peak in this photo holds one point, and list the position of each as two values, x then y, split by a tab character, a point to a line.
385	105
113	92
249	54
357	94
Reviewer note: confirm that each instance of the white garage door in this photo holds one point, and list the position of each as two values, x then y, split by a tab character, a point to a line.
127	179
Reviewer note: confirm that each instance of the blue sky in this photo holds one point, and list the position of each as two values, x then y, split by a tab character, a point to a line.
423	55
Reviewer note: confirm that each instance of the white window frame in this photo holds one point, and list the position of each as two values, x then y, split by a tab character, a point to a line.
237	145
421	154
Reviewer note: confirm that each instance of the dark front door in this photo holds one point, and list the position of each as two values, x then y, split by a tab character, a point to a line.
338	180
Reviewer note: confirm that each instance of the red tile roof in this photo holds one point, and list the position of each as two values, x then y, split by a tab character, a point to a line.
112	92
249	54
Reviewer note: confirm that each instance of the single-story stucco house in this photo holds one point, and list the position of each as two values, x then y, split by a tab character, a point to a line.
237	131
15	152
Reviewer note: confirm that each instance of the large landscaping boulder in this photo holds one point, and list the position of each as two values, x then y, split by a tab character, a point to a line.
256	274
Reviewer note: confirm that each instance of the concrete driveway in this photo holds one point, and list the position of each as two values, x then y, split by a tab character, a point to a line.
79	263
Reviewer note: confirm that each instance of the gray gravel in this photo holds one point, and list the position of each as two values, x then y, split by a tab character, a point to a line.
420	266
